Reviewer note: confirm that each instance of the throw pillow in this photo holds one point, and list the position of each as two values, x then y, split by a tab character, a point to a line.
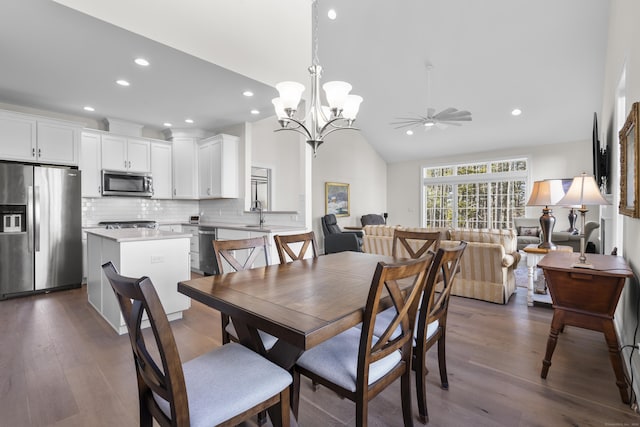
529	231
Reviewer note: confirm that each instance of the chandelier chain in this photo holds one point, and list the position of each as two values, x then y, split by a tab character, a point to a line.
314	36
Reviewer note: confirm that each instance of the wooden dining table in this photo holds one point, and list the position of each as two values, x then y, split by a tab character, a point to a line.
302	303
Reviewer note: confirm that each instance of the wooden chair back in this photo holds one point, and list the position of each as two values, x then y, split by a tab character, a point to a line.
434	307
224	249
403	239
284	245
163	377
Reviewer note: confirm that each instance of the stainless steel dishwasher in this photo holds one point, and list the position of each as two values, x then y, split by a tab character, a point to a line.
208	263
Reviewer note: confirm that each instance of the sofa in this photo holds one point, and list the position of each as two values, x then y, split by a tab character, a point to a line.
487	265
528	232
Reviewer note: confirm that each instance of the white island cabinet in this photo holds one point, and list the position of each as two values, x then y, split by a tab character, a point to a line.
161	255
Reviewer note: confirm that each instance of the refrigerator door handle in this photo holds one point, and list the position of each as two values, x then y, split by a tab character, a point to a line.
30	217
36	235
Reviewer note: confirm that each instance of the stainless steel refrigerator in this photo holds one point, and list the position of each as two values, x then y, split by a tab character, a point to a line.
41	231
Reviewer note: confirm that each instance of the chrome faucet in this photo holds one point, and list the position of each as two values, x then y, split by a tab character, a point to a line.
258	207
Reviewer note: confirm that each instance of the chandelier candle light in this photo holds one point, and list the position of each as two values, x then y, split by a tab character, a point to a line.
320	120
583	191
546	193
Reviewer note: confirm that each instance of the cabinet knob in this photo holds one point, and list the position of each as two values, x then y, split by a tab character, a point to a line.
39	152
33	152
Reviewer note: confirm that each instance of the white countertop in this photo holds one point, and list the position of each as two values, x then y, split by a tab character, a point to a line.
268	228
136	234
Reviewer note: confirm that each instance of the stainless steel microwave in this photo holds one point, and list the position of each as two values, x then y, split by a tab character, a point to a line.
132	184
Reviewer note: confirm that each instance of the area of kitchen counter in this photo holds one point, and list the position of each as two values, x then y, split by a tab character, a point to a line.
136	234
248	227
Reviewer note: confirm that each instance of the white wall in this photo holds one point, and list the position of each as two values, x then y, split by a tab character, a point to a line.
279	151
348	158
546	161
623	48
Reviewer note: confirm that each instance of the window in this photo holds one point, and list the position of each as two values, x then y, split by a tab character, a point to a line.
478	195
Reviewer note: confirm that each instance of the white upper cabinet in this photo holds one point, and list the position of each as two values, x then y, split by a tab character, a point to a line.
58	143
185	168
218	167
126	154
161	170
38	140
90	164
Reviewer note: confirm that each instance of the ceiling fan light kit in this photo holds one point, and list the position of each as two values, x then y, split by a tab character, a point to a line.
447	117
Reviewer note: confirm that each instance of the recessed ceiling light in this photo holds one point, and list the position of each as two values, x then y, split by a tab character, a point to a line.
516	112
122	82
89	108
247	93
142	62
255	112
409	132
190	121
167	124
332	14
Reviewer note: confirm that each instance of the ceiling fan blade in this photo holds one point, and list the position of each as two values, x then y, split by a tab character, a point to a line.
405	125
446	111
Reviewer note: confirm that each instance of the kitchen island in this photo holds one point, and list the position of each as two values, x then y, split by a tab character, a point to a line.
161	255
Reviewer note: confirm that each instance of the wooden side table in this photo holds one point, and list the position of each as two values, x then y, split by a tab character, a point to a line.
535	254
586	298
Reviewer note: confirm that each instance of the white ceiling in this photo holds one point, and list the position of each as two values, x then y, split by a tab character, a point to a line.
545	57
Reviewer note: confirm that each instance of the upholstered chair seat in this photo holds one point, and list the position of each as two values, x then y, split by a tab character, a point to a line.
218	394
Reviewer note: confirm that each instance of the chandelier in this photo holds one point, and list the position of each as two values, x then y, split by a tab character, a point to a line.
321	120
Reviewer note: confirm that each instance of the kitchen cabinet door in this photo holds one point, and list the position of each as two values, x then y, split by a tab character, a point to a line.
138	155
185	168
218	159
90	164
114	152
58	143
161	170
17	137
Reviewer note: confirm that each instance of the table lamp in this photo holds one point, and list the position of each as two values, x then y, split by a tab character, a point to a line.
546	193
583	191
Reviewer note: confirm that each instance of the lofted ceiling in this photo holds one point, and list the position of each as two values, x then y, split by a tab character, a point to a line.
545	57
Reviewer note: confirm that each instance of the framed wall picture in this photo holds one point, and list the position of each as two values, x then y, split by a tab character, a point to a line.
336	198
629	142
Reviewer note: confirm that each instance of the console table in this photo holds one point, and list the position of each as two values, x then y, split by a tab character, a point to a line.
586	298
535	254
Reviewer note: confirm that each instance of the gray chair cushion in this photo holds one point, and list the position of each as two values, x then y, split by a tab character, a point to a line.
337	360
385	317
268	340
226	382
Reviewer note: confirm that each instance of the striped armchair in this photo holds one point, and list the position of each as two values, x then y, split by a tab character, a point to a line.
486	268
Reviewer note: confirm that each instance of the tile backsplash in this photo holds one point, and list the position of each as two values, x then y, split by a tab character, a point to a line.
99	209
136	208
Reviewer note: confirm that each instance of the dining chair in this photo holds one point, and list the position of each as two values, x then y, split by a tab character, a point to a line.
223	387
227	250
286	246
432	320
358	365
408	241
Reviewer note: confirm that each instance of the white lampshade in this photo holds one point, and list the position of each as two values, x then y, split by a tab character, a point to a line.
546	193
290	94
336	92
351	107
583	191
277	105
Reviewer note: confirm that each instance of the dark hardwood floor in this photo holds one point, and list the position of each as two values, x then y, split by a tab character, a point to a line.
62	365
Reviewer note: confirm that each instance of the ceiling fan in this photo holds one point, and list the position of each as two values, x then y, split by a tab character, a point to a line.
447	117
